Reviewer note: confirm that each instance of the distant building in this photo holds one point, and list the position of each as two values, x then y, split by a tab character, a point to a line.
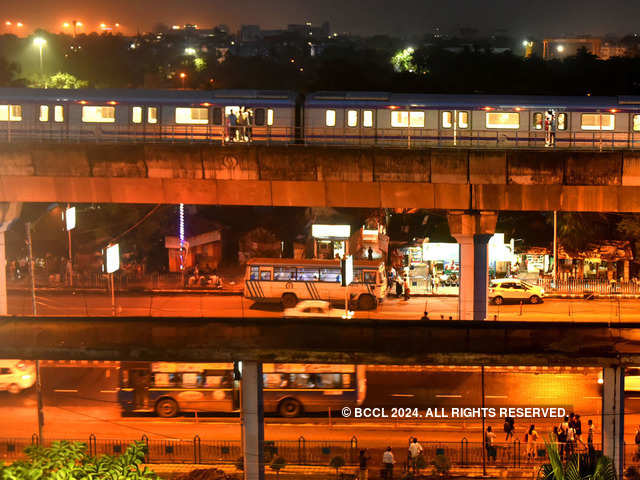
204	250
565	47
609	50
250	33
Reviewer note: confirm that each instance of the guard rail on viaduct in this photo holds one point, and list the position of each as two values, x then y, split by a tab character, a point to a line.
437	178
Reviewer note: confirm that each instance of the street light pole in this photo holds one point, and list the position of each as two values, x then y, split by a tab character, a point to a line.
555	247
40	43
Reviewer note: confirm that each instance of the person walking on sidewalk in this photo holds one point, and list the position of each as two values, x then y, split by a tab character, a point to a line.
489	440
364	460
407	290
387	464
415	450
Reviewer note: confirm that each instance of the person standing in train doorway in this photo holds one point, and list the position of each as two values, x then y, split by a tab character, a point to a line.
552	129
549	129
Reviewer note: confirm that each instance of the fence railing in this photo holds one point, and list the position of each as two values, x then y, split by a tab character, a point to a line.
463	453
589	286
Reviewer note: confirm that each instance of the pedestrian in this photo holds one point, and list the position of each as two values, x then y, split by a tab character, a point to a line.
590	431
364	460
415	450
531	439
489	440
571	440
407	290
436	283
637	440
429	283
563	430
398	287
577	425
509	427
387	464
370	254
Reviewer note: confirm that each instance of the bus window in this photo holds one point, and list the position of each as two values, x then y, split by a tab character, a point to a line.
347	380
285	274
369	276
125	377
301	380
308	274
274	380
190	380
265	275
329	380
329	274
164	379
254	273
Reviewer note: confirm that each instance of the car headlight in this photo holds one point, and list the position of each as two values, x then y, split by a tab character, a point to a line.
26	377
542	291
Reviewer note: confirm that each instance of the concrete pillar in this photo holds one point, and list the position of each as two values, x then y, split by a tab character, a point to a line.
252	418
8	213
613	415
473	232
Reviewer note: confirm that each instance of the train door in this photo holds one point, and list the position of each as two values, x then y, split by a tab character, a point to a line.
239	122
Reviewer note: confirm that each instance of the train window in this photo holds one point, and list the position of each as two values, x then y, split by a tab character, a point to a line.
192	115
91	114
447	120
216	116
152	115
367	118
352	118
44	113
416	119
260	116
463	119
58	113
538	120
598	121
636	123
562	121
11	113
503	120
330	118
270	116
399	119
136	114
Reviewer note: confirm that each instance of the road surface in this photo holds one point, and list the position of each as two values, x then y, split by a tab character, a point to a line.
82	400
208	305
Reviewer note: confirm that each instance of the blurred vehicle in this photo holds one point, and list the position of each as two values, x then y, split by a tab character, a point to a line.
16	375
316	308
502	290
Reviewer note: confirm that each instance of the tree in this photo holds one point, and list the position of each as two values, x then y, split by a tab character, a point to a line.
65	81
337	462
573	468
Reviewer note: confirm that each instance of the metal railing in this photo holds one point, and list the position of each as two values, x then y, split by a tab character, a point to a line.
407	138
589	286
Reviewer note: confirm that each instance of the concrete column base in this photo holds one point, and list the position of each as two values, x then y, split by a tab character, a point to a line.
613	415
8	213
252	419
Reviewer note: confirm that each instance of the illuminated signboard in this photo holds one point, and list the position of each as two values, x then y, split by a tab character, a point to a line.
112	254
70	218
346	267
331	231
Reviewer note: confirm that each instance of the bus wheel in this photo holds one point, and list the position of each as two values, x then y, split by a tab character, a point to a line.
289	408
366	302
167	408
289	300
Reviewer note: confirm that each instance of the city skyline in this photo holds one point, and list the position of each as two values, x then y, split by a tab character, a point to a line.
377	16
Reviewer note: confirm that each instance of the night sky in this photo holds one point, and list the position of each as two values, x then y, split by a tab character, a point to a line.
397	17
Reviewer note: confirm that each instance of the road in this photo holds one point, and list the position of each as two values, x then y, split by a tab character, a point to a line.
82	400
206	305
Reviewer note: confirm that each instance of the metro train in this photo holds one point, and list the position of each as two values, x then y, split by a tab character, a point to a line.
321	118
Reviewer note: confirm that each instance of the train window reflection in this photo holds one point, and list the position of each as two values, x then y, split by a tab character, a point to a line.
463	119
367	118
95	114
352	118
44	113
330	118
447	120
538	120
598	121
636	123
188	115
503	120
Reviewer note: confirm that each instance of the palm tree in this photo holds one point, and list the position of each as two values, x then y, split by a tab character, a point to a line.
556	469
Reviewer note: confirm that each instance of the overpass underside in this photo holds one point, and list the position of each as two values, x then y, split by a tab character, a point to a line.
445	179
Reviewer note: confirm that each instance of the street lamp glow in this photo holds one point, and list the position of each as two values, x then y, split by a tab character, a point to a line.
39	42
19	24
560	48
189	51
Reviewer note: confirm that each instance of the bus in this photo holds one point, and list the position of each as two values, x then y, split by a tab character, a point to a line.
167	388
288	281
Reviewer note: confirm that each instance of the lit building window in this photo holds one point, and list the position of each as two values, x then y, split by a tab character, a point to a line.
93	114
270	116
136	114
352	118
463	119
416	119
192	115
562	121
503	120
399	119
367	118
58	113
636	123
11	113
598	121
44	113
330	118
446	120
152	115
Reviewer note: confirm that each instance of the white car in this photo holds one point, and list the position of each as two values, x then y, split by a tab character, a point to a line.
502	290
316	308
16	375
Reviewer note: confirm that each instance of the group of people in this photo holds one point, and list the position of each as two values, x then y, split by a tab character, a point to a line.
239	125
567	435
398	283
414	452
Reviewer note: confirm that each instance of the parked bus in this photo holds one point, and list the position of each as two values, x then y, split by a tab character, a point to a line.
290	280
167	388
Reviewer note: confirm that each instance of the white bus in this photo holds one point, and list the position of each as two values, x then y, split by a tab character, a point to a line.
288	281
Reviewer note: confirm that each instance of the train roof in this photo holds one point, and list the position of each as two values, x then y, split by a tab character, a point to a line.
465	101
311	262
147	96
